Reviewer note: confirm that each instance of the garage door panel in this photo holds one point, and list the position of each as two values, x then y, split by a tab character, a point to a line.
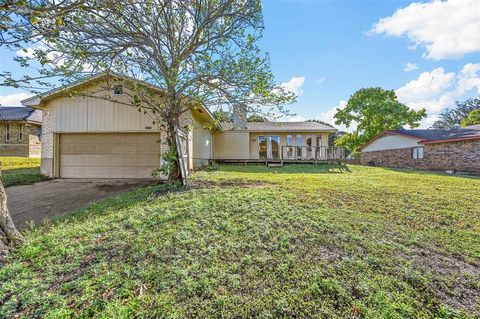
125	155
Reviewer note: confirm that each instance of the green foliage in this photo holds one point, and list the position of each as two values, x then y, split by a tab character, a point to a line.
452	117
472	118
169	161
256	118
257	242
374	110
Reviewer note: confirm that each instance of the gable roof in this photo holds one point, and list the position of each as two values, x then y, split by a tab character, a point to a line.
282	127
20	113
36	100
432	136
439	136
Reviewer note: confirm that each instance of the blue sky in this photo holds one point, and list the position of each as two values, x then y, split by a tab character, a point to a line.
326	50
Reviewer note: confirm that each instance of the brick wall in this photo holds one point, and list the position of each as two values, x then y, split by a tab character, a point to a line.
459	156
28	146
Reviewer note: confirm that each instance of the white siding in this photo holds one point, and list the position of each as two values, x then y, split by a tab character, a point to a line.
94	115
390	142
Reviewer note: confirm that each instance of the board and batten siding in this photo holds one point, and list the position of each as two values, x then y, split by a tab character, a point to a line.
87	114
391	142
100	112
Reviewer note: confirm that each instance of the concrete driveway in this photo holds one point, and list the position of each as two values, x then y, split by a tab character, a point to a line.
44	200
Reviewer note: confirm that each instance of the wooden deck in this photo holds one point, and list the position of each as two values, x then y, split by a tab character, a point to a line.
277	161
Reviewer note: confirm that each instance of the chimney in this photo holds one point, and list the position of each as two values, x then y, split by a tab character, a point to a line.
239	116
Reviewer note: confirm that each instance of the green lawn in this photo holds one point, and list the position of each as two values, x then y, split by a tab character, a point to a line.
21	170
253	242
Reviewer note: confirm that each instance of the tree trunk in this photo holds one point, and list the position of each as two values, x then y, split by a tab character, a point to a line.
173	121
9	235
175	173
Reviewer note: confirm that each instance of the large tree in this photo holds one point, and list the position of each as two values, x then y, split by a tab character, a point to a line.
371	111
472	118
9	235
196	51
452	117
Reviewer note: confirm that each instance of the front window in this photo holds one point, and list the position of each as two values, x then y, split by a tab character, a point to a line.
7	133
20	133
417	152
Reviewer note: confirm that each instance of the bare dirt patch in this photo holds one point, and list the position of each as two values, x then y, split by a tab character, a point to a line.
455	282
236	182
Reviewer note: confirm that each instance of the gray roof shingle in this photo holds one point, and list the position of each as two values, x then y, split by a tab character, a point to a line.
20	113
469	132
281	127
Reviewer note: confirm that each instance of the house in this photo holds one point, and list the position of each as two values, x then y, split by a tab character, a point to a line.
431	149
97	133
275	141
20	131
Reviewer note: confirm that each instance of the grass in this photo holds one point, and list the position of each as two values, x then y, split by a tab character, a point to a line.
21	171
253	242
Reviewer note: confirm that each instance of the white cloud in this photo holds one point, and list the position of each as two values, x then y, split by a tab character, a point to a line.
13	99
409	67
447	29
428	90
328	117
321	80
296	118
437	89
294	85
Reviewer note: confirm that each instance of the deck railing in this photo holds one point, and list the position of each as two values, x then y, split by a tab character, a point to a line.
312	153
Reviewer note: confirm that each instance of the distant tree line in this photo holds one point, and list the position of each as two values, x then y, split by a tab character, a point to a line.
464	113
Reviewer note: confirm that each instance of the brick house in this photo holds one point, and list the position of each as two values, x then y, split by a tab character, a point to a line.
455	150
20	131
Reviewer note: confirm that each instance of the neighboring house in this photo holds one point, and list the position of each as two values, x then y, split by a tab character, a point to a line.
432	149
98	134
20	131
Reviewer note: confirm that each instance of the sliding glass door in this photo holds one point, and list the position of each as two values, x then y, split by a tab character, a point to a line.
269	147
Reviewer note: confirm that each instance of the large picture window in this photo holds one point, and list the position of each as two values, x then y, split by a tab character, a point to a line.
299	143
417	152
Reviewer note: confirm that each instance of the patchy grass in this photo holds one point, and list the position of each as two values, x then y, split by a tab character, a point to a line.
254	242
21	171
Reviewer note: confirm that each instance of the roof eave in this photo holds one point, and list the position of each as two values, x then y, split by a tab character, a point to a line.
450	140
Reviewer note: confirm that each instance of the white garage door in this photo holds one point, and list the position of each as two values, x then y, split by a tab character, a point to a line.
109	155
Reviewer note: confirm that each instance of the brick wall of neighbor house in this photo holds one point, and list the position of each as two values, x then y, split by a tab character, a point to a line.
459	156
28	146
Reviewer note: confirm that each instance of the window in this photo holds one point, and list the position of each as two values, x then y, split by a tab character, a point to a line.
39	133
417	152
299	139
118	89
20	133
308	139
7	133
299	143
289	146
289	140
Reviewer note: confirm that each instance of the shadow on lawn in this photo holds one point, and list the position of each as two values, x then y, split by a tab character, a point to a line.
287	169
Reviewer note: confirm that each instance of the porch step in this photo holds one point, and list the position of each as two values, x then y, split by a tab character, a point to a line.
274	164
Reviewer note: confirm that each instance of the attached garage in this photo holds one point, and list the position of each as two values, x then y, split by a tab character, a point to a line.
108	155
92	129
